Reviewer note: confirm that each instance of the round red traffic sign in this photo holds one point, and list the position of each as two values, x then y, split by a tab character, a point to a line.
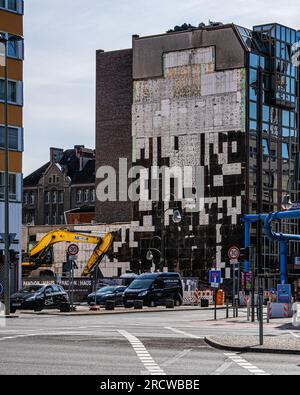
73	249
234	253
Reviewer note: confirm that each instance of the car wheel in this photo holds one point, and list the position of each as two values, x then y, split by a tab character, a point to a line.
178	301
65	308
13	311
127	306
39	307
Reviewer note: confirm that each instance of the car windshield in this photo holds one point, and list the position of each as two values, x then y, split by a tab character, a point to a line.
32	289
141	284
106	290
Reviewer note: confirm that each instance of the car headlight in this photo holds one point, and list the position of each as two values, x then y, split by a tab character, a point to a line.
143	293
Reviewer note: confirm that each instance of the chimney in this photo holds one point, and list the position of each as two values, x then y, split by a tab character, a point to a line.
56	154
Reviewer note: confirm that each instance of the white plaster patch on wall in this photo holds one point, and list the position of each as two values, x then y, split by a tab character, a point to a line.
218	181
232	168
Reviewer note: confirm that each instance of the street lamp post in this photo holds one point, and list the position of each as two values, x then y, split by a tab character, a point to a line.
7	238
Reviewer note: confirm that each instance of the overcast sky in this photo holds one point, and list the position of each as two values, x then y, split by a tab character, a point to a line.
62	36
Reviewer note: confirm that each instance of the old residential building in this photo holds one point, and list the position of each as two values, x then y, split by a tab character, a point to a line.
212	97
62	190
11	23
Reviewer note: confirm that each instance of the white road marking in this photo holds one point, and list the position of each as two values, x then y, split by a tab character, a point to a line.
222	369
184	333
176	358
294	334
144	356
245	364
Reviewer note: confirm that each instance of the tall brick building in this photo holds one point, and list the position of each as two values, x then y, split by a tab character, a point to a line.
202	98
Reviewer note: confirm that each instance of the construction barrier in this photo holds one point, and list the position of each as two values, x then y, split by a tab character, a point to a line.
280	310
195	297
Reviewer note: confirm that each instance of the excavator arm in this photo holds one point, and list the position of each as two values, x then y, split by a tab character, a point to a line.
103	245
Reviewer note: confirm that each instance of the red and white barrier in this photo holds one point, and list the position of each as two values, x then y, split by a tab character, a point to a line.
280	310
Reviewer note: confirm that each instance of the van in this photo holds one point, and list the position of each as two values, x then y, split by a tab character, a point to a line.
154	289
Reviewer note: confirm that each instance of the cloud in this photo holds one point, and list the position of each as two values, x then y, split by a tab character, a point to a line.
61	40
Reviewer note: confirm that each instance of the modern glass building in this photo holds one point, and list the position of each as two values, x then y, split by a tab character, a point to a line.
273	116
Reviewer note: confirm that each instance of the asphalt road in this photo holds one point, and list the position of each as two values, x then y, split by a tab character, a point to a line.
146	343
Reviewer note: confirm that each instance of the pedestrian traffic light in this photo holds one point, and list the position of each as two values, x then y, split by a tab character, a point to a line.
245	254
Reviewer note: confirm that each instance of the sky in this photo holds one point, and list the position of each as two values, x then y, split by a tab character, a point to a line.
61	39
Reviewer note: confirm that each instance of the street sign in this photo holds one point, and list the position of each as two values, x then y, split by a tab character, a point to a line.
1	289
284	293
73	249
234	253
215	276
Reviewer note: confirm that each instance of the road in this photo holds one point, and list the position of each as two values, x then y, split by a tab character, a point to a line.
169	343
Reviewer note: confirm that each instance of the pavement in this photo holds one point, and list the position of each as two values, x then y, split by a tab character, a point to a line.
85	311
147	343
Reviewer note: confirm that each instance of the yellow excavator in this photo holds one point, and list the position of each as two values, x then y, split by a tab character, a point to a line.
39	252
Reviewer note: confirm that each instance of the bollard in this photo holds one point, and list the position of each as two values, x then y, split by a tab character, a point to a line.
227	308
110	305
138	305
204	303
248	309
268	312
170	304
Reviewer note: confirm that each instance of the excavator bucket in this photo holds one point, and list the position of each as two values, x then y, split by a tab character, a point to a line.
101	249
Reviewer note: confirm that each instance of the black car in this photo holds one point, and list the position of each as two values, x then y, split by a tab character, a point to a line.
114	293
39	297
154	289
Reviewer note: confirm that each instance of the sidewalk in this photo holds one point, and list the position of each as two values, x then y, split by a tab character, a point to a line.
85	311
285	344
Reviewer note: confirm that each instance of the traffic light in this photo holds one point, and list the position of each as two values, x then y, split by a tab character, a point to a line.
14	257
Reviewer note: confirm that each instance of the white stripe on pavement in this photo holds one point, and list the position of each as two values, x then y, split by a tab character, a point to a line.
245	364
183	333
144	356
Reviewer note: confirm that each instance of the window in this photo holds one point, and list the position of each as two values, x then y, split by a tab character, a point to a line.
14	136
285	151
93	195
12	5
15	92
61	197
32	199
12	181
86	195
176	143
47	197
54	197
265	144
79	196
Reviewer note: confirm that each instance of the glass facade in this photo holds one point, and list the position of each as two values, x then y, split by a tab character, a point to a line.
273	115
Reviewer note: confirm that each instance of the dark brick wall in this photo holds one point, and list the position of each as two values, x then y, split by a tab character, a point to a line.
114	96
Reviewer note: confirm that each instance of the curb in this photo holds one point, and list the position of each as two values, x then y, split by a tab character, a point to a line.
106	312
223	347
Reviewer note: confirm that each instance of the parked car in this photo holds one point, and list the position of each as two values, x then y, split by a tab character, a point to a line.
107	293
154	289
39	297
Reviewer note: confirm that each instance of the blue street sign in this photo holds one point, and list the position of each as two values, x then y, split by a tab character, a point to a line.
215	276
284	293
